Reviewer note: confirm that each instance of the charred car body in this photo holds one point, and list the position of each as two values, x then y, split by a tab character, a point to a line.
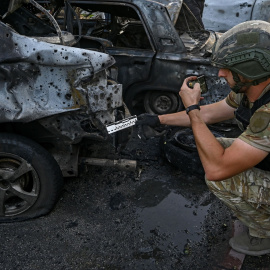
156	45
55	90
53	98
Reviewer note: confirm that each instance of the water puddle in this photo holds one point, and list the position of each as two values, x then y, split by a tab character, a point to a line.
173	215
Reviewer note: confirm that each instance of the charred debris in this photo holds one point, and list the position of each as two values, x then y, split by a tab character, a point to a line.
51	91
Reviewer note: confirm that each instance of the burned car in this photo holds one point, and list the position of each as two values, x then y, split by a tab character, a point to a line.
221	16
156	45
53	98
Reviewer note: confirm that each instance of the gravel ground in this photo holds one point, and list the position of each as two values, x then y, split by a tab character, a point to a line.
155	218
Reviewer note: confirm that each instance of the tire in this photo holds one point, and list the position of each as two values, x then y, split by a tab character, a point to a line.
161	102
30	179
180	150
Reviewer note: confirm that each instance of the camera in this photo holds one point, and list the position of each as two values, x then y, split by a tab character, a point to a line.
201	80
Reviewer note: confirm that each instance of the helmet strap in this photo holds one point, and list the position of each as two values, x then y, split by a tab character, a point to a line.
239	84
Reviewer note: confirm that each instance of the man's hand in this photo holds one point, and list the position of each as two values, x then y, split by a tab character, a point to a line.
190	96
148	119
146	124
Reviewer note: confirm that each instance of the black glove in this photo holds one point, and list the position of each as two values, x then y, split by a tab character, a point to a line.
148	119
146	124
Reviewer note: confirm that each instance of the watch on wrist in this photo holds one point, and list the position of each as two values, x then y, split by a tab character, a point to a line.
192	107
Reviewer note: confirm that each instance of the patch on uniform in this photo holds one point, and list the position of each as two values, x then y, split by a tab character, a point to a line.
259	122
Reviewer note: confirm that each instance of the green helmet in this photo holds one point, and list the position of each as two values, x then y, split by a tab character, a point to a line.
245	50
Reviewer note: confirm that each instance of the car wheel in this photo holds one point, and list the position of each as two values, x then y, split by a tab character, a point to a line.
161	102
180	150
30	179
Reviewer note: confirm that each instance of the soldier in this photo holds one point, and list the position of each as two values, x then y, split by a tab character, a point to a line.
237	170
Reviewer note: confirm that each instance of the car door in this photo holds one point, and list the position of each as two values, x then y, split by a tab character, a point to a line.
121	24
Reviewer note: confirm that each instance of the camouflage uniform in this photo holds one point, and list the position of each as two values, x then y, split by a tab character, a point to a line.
248	193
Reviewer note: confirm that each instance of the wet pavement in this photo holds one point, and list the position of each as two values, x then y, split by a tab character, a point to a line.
156	218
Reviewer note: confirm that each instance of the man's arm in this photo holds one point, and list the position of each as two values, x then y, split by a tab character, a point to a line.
220	163
211	113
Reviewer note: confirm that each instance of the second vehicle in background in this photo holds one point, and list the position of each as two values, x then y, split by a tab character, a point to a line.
221	16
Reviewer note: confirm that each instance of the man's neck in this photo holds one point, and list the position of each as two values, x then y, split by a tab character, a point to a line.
254	91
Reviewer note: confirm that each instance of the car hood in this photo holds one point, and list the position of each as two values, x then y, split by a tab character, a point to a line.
16	47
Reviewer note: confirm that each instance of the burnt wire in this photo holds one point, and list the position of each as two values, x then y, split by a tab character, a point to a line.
186	21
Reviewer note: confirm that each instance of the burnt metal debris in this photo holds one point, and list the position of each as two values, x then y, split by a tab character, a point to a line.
41	79
52	94
156	45
61	85
58	86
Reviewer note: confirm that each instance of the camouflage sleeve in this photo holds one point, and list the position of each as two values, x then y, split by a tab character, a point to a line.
257	133
233	99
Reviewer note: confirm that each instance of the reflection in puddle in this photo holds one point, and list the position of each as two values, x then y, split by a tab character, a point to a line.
175	217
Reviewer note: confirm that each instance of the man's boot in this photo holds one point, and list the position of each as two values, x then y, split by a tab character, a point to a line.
249	245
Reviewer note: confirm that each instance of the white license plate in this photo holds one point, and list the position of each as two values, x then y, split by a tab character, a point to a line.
122	124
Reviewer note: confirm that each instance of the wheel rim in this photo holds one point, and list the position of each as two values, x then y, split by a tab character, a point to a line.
159	102
19	185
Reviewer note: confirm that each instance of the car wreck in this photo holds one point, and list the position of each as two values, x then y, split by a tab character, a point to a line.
66	68
221	16
156	45
53	98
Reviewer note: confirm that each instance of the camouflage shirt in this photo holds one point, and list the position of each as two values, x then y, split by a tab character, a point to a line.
257	133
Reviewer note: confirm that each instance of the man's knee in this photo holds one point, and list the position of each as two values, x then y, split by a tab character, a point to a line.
212	185
220	188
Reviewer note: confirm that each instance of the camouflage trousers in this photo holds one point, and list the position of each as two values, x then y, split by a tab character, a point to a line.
248	195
